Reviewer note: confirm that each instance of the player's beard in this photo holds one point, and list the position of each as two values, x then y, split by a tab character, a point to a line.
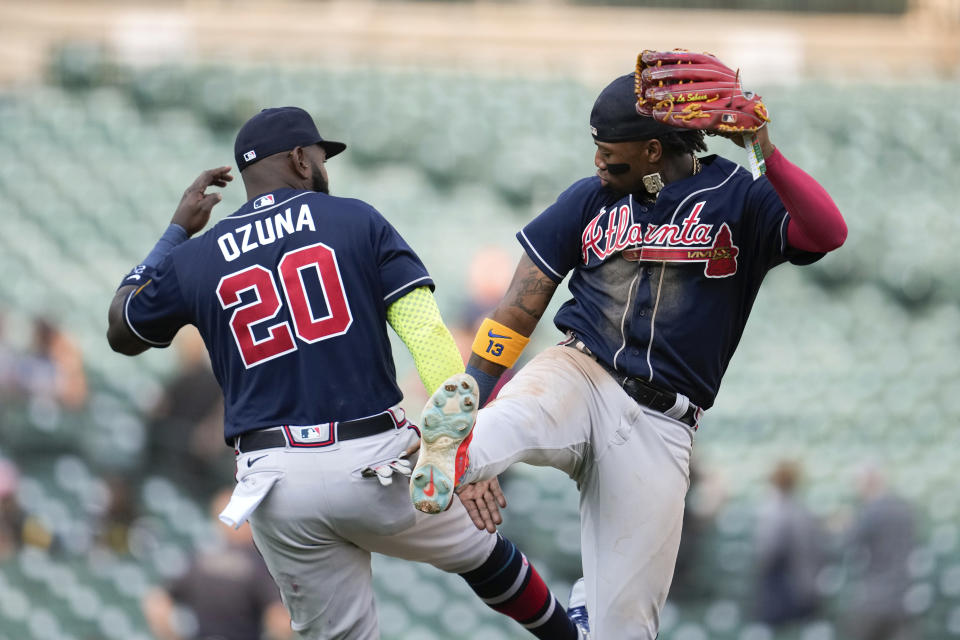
320	184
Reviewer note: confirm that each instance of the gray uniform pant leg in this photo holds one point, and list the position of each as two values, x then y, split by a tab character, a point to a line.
320	522
631	465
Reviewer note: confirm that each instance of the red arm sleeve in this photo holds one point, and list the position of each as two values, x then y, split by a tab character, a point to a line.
816	223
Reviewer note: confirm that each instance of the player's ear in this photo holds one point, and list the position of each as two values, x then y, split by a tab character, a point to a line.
299	162
654	151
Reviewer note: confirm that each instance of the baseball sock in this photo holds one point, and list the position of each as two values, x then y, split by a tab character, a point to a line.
508	583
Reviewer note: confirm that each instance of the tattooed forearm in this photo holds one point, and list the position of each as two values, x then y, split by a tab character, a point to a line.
526	299
530	293
521	308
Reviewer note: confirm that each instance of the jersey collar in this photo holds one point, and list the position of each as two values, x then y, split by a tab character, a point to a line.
269	200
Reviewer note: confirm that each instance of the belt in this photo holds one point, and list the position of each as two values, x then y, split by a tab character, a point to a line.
673	405
282	436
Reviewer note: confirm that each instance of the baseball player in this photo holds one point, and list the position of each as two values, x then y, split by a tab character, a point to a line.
665	252
292	294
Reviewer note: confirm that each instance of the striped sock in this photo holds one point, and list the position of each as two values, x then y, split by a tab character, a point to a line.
509	584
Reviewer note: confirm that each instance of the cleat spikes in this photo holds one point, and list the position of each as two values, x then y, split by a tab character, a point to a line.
446	431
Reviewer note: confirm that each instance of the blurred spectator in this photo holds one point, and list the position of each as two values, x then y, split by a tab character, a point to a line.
8	360
704	499
881	540
17	528
12	517
226	594
53	368
121	511
791	550
186	428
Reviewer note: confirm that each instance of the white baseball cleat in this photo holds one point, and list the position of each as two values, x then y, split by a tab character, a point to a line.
577	609
446	429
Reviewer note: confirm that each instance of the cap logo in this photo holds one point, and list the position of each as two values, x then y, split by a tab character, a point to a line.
593	130
263	201
249	155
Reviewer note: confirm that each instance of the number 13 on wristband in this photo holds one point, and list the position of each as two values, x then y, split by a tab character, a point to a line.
499	343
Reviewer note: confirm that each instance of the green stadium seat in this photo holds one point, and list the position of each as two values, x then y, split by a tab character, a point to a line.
722	617
953	622
755	631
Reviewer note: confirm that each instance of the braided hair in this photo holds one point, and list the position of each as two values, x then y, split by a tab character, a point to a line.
682	142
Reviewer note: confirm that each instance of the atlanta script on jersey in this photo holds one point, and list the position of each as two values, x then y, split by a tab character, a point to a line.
289	293
660	288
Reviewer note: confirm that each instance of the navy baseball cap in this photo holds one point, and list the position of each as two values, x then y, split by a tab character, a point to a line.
614	117
278	129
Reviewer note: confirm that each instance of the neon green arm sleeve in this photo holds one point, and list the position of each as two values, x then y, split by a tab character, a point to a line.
416	319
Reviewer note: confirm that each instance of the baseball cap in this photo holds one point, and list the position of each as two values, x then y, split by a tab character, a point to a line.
614	117
278	129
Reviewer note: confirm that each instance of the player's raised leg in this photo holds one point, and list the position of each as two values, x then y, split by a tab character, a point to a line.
446	429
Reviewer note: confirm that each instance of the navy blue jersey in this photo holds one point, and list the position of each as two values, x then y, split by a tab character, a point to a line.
290	294
662	291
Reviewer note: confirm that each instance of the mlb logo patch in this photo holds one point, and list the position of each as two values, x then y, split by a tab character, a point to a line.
313	434
320	435
263	201
249	155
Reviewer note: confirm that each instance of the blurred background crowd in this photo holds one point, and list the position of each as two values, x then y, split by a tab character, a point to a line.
824	504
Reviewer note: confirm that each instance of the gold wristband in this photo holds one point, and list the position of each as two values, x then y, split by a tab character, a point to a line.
498	343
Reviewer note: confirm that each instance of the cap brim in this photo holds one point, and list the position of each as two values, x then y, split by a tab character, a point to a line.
331	147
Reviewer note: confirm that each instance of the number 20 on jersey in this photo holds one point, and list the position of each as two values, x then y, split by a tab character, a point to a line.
267	304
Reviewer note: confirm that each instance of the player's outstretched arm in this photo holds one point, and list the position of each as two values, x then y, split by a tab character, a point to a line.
417	321
191	216
499	342
502	337
816	223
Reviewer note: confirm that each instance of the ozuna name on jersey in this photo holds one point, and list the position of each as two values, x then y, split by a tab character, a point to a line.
262	231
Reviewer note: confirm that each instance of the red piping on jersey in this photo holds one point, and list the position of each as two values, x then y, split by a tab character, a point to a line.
816	223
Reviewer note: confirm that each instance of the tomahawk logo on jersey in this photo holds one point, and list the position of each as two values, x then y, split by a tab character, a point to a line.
286	292
653	282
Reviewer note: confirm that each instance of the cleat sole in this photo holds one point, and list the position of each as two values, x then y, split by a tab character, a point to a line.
446	428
